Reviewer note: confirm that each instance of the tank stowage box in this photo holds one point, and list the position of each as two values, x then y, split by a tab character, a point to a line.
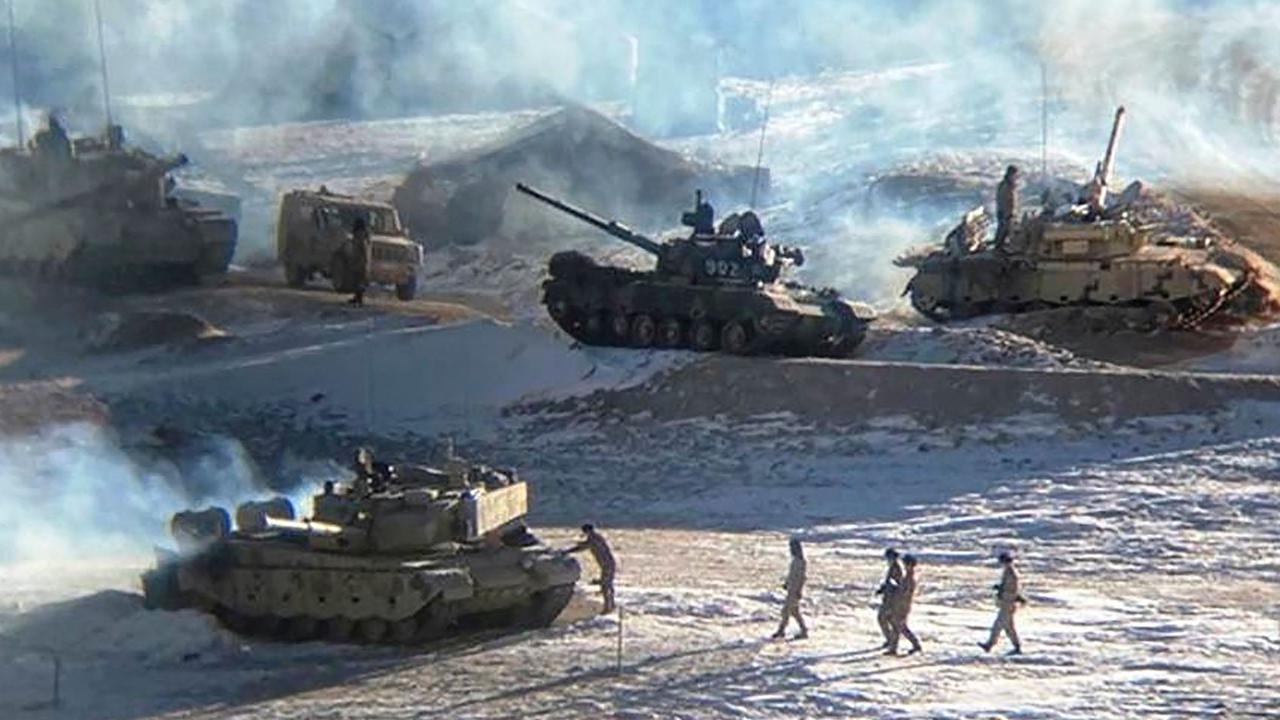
313	234
91	211
718	289
401	554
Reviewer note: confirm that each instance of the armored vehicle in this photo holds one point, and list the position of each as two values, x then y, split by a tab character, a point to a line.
400	554
92	211
1086	254
720	288
313	236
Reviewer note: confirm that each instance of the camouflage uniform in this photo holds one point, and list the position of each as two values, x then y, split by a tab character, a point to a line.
892	580
900	608
600	552
1008	597
794	586
1006	204
360	259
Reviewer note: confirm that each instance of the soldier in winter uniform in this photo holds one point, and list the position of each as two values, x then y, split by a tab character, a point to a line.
1008	597
1006	205
600	552
360	260
901	607
794	586
892	579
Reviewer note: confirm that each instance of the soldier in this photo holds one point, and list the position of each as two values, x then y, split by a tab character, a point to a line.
1008	597
901	607
362	464
600	552
704	216
1006	204
360	249
892	580
53	141
794	585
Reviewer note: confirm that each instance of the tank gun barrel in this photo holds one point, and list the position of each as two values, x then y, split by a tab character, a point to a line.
613	227
1109	159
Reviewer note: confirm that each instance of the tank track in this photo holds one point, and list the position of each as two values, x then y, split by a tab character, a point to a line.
438	621
1183	314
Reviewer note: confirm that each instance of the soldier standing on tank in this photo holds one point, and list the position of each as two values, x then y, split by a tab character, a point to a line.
704	216
360	260
892	581
53	141
600	552
901	608
1008	598
1006	205
794	585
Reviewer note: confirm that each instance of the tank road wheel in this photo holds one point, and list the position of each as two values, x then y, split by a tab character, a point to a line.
560	311
339	629
408	289
372	630
340	274
620	326
265	625
671	333
295	275
302	628
404	632
594	326
544	607
434	621
643	331
236	622
735	337
703	335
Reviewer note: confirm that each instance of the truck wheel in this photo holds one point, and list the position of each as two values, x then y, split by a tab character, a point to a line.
340	274
296	275
407	289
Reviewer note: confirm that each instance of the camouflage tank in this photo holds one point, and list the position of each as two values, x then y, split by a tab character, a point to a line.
1090	253
401	554
720	288
91	211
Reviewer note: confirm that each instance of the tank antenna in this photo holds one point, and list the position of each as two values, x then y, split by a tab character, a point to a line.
102	60
755	180
1044	119
13	62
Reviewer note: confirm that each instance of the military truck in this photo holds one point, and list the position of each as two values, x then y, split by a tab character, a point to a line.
720	288
94	211
398	554
313	236
1086	253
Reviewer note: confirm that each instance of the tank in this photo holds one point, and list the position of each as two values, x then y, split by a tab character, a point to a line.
720	288
1090	253
400	554
92	211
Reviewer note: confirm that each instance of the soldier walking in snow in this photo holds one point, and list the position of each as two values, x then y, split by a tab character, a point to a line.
794	586
1008	597
600	552
892	580
901	608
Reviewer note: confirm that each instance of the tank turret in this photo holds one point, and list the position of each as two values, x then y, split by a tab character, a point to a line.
718	288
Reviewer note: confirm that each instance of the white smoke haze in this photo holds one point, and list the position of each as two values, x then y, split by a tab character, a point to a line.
75	491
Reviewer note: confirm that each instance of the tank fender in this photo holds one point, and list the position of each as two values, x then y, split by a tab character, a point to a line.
449	584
